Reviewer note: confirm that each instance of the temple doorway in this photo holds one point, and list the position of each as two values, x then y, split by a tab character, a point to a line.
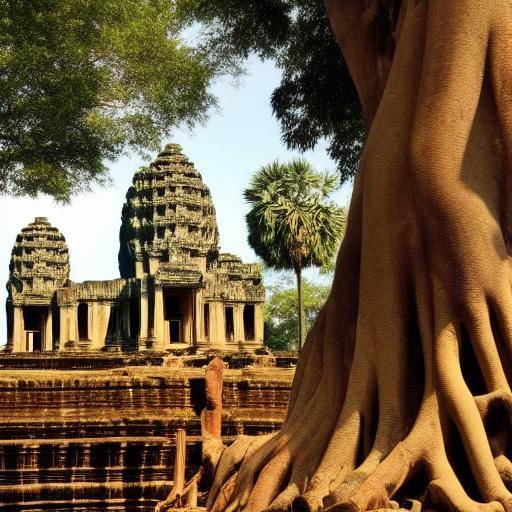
177	315
175	328
34	320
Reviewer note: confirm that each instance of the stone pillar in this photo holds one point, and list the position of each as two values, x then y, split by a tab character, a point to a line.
143	336
158	319
238	320
48	332
258	323
73	324
198	318
99	315
139	269
29	347
68	326
18	330
63	330
90	320
217	325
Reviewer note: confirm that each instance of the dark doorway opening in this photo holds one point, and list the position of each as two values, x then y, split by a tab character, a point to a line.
83	321
249	322
55	325
172	306
34	320
177	315
175	331
206	309
230	324
37	344
134	319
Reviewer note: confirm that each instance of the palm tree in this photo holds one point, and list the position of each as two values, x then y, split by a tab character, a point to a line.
293	223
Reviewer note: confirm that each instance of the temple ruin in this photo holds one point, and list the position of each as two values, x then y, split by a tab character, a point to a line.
175	291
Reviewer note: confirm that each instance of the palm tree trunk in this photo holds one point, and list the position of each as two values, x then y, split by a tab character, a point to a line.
300	307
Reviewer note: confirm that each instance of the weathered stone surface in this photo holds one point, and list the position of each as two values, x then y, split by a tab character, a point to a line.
94	441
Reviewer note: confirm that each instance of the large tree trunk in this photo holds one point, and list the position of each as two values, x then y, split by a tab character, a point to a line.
403	387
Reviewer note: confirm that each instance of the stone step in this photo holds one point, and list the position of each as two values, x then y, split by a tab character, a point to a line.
74	496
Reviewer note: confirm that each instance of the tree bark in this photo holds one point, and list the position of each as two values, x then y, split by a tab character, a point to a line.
403	387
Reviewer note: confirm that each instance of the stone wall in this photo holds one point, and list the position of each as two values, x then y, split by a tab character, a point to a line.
104	440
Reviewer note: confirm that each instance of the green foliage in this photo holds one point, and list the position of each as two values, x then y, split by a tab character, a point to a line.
281	312
316	98
82	79
292	222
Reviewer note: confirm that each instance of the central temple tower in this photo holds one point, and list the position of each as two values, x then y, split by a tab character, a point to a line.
168	218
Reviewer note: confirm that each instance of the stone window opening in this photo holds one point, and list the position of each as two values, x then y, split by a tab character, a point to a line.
249	322
230	323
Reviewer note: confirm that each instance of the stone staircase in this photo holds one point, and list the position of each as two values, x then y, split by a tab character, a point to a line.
101	441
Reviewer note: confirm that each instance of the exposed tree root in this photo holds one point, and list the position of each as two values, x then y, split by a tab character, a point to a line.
403	389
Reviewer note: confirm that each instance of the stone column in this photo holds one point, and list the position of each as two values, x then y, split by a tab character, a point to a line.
64	331
29	347
68	325
217	324
258	323
73	324
18	330
158	319
99	315
90	321
139	269
238	320
143	335
48	331
198	318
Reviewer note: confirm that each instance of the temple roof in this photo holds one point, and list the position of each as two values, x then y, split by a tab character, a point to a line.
39	260
168	214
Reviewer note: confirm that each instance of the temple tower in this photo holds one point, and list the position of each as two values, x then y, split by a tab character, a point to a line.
39	266
168	217
190	295
168	239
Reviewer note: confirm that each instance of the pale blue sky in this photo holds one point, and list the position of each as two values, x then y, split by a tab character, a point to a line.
235	142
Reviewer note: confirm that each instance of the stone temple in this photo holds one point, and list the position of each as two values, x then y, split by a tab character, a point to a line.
176	290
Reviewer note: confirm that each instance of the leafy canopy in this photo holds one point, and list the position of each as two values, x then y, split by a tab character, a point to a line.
82	79
281	312
316	98
293	223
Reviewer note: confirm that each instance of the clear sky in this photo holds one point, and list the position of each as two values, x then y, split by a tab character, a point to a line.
238	139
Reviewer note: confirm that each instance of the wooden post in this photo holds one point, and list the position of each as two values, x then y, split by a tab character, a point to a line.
180	461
